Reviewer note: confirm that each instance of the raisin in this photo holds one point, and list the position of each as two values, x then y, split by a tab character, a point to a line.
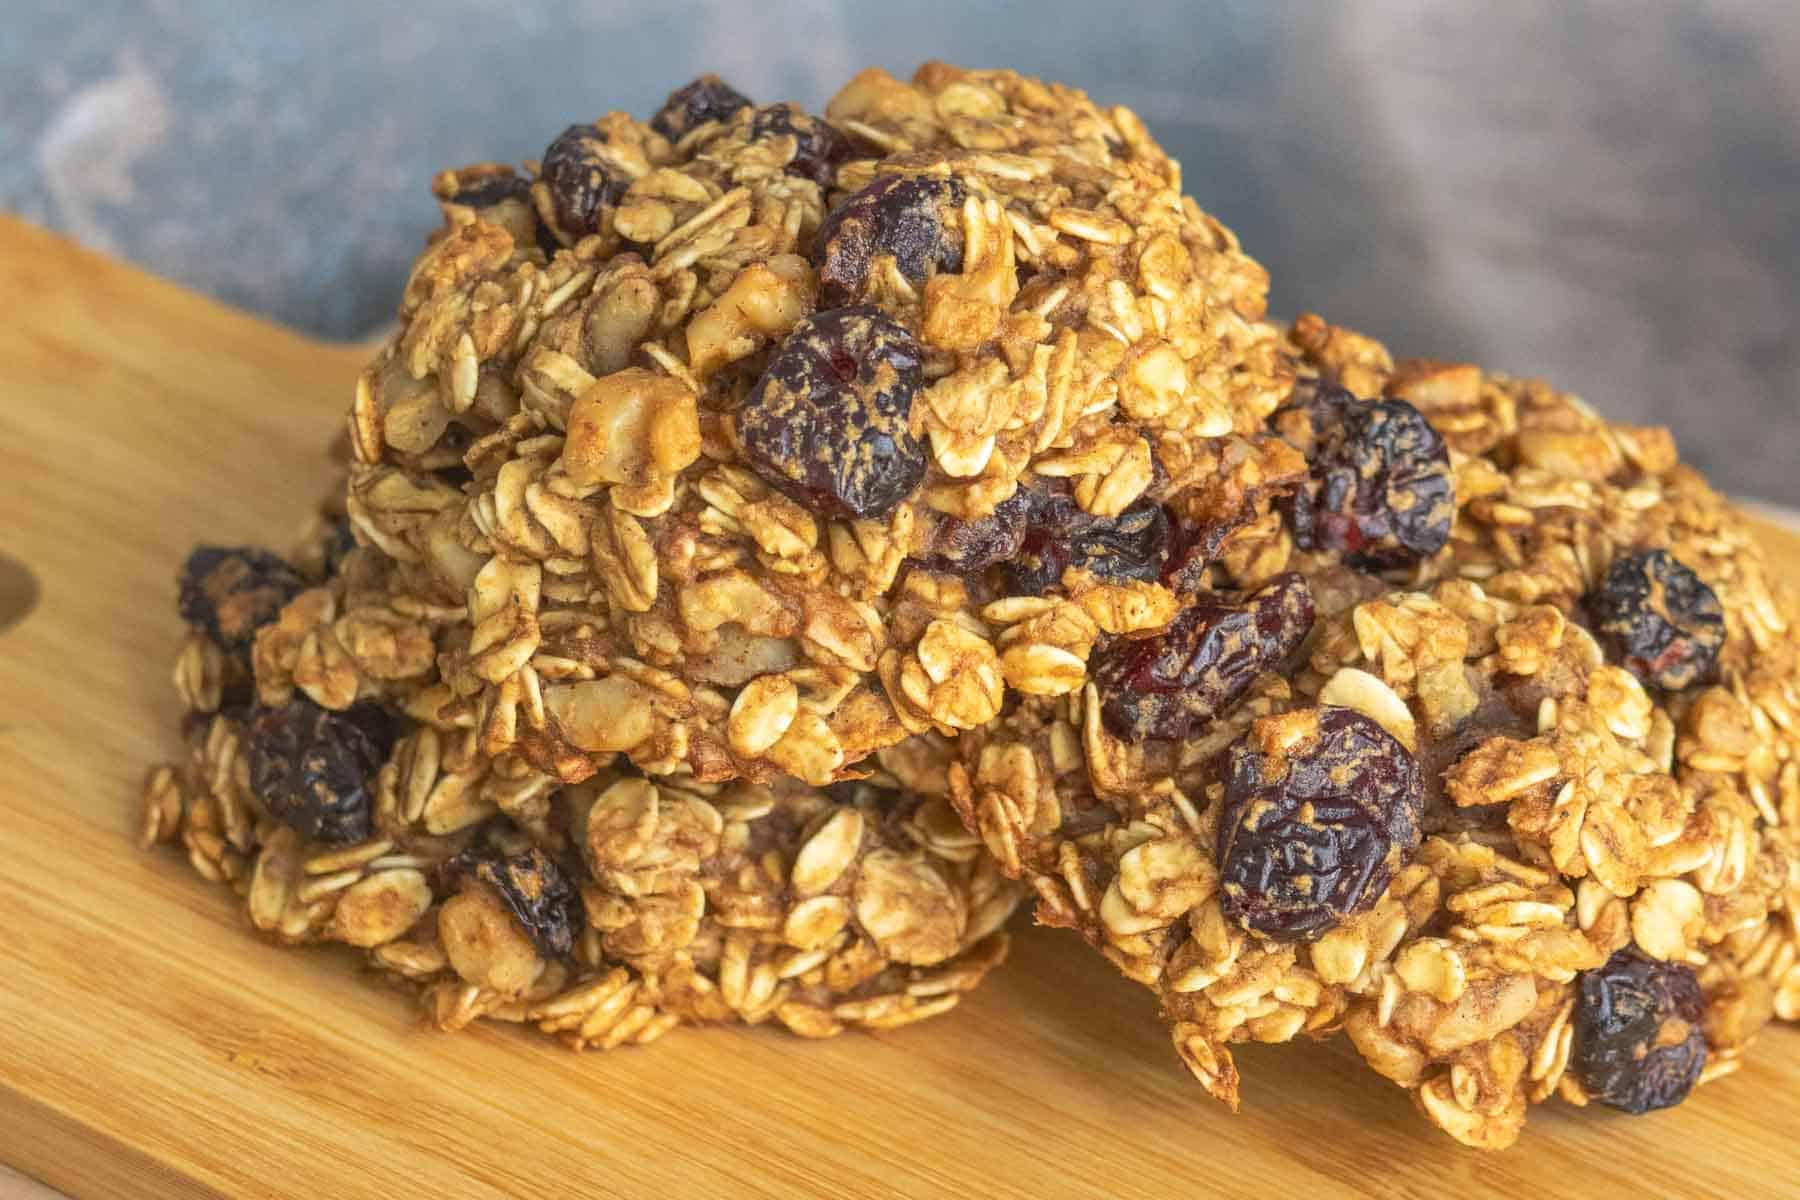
707	98
1195	549
536	891
1193	671
1060	535
582	183
1639	1042
818	148
1380	493
1659	619
970	547
232	591
897	215
1322	806
315	769
1251	473
829	421
484	188
546	240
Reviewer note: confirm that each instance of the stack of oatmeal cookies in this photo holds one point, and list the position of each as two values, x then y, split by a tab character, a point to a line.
774	544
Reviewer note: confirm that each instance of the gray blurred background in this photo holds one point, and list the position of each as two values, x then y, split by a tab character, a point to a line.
1600	192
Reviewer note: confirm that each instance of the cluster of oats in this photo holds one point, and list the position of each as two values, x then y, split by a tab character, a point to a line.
1570	809
605	913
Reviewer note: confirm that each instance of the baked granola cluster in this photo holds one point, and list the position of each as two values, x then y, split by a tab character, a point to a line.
1512	809
757	514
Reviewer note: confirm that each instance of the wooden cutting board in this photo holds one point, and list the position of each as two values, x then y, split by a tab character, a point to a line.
149	1045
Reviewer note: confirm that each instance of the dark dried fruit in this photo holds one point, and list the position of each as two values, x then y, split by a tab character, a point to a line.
969	547
1658	619
900	216
1639	1042
1381	493
1322	806
545	239
829	421
1251	472
1196	548
818	148
315	769
483	187
1060	535
581	182
1163	685
707	98
232	591
537	892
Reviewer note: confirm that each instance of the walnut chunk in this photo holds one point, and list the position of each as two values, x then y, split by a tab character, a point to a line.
630	427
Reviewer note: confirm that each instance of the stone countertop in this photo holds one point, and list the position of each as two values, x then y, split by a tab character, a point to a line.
1601	193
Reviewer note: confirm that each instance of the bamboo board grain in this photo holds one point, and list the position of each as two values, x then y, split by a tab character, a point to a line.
150	1046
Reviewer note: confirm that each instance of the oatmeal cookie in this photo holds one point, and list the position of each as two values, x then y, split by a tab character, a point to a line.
746	442
335	789
1478	745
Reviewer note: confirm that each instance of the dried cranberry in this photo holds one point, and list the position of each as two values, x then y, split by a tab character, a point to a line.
897	215
537	892
315	769
818	148
707	98
1060	535
1381	493
829	421
1321	807
581	182
233	591
1197	668
1659	619
969	547
1639	1042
